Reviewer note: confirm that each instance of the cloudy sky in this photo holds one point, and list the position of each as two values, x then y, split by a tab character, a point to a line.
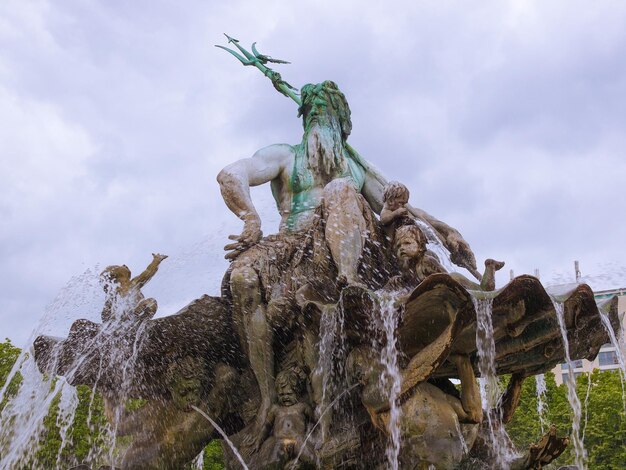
505	119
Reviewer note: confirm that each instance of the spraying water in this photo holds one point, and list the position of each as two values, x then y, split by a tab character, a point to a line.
117	341
618	352
490	390
331	349
579	448
224	436
68	402
22	419
540	382
390	380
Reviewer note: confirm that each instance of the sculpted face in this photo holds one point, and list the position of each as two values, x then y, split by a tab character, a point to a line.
407	248
288	385
396	203
287	396
326	121
409	244
184	383
361	364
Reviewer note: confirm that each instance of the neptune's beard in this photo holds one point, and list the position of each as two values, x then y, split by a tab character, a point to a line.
324	148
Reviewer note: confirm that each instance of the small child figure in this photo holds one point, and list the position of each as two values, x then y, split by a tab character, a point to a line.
288	420
394	212
124	293
418	263
409	245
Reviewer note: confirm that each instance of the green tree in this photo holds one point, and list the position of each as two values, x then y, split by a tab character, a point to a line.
8	356
213	456
86	436
605	432
604	426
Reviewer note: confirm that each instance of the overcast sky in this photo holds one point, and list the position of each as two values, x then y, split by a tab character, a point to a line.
505	119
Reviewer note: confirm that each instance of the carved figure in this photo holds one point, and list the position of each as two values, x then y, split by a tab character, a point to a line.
288	422
434	421
320	180
320	273
418	262
394	212
323	181
123	294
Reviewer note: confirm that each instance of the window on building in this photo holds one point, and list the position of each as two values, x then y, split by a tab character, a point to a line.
565	376
577	364
607	358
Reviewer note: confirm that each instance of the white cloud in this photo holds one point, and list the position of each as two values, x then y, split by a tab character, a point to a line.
504	118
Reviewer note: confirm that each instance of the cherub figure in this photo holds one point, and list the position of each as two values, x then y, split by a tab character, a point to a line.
409	244
123	293
418	263
288	421
394	212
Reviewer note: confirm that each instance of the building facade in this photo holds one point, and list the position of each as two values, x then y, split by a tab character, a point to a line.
607	359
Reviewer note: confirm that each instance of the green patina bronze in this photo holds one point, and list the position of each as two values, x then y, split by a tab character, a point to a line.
323	103
259	60
250	360
303	180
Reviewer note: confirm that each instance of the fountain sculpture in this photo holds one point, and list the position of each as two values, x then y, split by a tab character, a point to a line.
334	343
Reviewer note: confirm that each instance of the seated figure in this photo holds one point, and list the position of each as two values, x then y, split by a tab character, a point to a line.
417	262
288	421
123	293
394	212
437	427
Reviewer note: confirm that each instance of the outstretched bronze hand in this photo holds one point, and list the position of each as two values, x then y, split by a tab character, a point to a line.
158	256
250	235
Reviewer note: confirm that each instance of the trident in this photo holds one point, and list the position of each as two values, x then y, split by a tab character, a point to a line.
284	88
259	60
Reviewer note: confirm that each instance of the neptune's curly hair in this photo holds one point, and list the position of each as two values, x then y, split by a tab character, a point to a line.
324	98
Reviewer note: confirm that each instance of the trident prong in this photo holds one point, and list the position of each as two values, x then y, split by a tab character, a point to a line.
265	58
241	59
259	60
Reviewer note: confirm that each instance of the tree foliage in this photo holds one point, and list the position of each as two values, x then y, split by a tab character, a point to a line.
8	356
85	437
603	422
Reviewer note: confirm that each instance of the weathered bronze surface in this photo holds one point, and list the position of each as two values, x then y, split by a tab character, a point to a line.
251	357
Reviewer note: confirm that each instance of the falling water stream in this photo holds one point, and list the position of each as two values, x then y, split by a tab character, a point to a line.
618	352
199	462
224	435
587	405
490	390
331	349
22	419
540	382
391	380
579	448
